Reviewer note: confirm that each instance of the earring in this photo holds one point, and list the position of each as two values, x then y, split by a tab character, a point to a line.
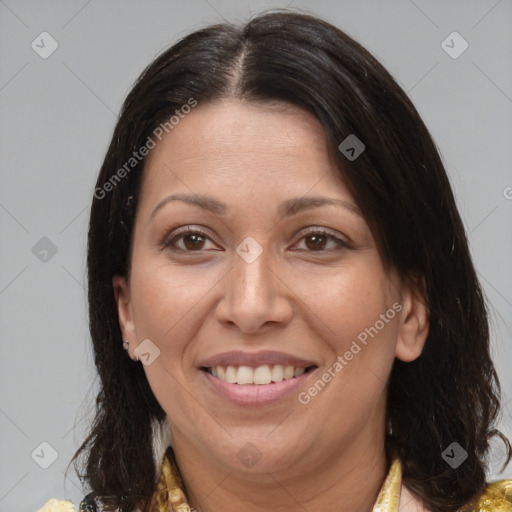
126	343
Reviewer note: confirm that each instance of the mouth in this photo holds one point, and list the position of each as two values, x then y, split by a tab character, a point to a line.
264	375
250	379
244	390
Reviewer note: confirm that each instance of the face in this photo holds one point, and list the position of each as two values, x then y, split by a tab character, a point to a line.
270	317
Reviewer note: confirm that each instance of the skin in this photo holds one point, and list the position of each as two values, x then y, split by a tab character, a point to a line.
199	302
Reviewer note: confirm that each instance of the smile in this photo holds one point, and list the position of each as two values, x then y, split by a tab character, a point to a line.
249	393
260	375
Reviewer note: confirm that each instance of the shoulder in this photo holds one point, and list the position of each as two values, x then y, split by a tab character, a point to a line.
92	504
497	497
55	505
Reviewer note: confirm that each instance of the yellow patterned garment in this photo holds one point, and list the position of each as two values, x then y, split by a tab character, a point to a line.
169	495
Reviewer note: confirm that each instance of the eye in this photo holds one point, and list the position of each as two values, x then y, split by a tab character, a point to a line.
316	240
193	240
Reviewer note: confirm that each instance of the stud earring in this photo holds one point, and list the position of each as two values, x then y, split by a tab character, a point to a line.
126	343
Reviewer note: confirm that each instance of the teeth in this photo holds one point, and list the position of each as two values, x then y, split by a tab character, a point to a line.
231	374
288	372
265	374
245	375
297	372
277	373
262	375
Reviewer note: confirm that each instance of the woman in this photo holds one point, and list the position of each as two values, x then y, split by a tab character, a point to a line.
274	242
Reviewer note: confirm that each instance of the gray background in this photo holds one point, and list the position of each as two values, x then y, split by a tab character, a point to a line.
57	117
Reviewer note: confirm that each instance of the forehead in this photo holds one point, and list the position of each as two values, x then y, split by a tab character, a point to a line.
230	145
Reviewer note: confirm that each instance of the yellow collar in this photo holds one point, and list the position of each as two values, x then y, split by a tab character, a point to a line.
169	495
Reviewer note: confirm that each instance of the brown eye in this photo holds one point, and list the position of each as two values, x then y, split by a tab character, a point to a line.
195	240
317	240
192	240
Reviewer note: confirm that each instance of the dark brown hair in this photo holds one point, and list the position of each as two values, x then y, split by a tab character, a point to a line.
451	392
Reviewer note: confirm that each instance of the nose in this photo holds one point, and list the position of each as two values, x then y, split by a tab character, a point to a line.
254	294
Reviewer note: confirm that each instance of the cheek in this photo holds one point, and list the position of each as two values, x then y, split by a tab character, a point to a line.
167	298
185	410
362	334
351	302
167	311
363	352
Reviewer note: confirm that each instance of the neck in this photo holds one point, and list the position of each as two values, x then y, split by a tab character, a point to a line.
348	480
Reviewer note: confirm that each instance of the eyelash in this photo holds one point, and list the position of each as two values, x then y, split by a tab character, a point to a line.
169	243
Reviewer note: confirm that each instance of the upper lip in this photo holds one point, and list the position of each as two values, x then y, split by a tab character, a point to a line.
254	359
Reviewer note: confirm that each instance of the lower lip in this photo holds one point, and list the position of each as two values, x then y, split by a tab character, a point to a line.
256	394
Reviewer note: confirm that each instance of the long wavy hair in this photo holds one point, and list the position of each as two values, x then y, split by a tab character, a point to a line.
451	392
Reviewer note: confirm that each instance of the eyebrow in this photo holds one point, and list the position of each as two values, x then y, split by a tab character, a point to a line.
286	208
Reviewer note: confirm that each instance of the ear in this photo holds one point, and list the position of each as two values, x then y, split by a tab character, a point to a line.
414	324
124	312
